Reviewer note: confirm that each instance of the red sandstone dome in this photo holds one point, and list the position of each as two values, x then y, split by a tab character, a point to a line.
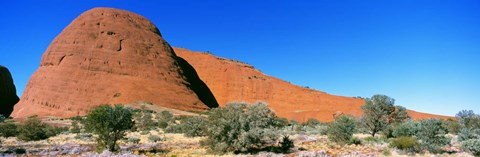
233	81
109	56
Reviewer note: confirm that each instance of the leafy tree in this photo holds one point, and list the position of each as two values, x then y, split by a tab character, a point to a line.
379	112
469	119
110	124
431	134
469	136
342	129
238	127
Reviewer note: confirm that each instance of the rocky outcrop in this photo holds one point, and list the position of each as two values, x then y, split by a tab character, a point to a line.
110	56
8	92
234	81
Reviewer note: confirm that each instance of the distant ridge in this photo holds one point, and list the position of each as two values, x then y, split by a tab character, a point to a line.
235	81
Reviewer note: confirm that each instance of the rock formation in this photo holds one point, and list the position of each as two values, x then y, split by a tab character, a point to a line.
8	93
233	81
110	56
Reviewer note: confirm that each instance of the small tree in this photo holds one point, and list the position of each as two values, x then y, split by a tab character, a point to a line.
469	119
110	124
379	112
342	129
239	127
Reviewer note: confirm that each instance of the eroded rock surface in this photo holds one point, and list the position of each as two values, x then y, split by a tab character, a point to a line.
110	56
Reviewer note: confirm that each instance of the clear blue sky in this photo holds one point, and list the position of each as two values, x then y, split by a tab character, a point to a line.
423	53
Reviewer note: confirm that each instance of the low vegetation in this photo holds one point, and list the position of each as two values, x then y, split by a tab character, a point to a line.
243	128
341	131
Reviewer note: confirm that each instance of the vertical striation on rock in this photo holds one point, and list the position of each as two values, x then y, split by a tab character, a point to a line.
109	56
8	92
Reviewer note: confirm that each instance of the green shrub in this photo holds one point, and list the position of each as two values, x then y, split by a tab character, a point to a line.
110	124
408	144
154	138
312	123
355	141
239	127
469	119
408	129
193	126
34	129
317	130
8	129
164	118
371	139
144	120
342	129
286	144
467	134
453	126
472	146
53	131
76	126
134	140
431	134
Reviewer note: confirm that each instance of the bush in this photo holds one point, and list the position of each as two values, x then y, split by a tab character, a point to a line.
355	141
164	118
144	120
286	144
134	140
317	130
8	129
469	119
407	129
239	127
34	129
312	123
154	138
53	131
341	131
432	135
467	134
408	144
76	126
472	146
110	124
193	126
453	126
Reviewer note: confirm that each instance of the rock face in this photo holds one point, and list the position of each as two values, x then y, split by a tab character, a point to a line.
233	81
110	56
8	92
